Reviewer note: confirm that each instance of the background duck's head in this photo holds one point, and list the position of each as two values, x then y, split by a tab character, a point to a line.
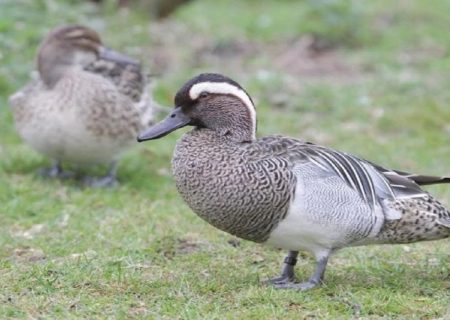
211	101
72	46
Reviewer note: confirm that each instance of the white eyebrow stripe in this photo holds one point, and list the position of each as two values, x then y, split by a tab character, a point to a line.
224	88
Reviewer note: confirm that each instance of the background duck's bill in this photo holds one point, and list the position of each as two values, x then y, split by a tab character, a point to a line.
175	120
111	55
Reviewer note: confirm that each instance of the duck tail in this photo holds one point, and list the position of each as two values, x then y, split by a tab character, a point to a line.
426	180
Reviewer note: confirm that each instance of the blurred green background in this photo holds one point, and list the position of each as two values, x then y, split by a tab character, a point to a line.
367	77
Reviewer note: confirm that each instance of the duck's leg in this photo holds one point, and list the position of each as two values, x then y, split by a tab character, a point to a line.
55	171
287	273
108	181
315	280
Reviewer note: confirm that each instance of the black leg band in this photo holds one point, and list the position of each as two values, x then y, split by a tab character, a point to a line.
290	260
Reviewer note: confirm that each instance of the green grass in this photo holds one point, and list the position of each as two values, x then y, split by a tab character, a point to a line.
138	252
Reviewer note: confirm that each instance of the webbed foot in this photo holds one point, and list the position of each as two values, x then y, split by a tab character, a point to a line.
287	274
55	172
287	278
108	181
300	286
102	182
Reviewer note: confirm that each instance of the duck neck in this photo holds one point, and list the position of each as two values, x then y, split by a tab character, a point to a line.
236	122
52	65
238	133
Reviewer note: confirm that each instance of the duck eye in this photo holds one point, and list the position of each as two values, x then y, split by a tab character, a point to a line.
203	95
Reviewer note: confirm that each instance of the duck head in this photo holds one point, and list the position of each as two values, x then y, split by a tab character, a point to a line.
72	46
210	101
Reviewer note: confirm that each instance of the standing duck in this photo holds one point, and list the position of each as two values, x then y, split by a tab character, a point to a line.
284	192
86	106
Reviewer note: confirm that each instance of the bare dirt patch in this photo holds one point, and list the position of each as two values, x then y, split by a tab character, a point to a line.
28	254
174	48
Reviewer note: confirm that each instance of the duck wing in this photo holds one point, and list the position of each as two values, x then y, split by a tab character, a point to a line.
127	76
372	182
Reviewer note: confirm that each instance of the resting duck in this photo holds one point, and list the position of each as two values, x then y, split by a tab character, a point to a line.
284	192
86	106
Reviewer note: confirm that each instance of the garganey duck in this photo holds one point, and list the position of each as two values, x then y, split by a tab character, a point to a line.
87	105
284	192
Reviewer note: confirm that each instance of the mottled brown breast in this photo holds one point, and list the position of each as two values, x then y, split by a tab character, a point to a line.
245	197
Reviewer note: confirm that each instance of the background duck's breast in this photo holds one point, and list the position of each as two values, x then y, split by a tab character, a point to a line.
83	119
